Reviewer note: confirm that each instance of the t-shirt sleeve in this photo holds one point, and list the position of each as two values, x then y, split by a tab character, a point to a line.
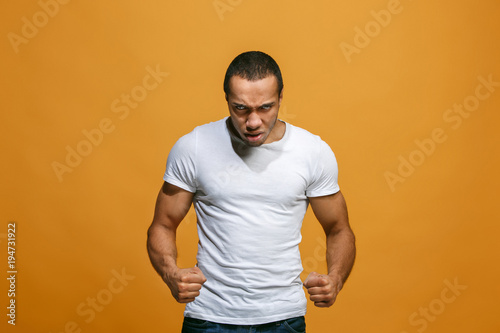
181	170
325	175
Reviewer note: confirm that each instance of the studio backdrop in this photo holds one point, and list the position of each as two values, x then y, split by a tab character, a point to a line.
94	94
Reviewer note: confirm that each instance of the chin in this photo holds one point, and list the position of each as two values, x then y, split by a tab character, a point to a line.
254	144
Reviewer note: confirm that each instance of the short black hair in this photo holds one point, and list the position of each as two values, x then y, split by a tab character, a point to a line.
252	66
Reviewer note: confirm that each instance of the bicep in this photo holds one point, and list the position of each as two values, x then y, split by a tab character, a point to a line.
172	205
331	212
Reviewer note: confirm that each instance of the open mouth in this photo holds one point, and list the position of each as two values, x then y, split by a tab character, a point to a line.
253	137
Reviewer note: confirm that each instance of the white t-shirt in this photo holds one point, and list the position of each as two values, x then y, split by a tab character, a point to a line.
250	203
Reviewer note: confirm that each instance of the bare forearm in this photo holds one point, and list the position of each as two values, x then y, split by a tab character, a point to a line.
323	289
162	249
331	212
340	253
185	284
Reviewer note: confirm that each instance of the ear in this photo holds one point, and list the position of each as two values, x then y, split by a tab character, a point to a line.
280	98
225	96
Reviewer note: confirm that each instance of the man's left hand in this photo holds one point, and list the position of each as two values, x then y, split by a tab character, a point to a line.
323	289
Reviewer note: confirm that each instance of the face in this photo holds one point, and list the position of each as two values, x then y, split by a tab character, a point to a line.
253	107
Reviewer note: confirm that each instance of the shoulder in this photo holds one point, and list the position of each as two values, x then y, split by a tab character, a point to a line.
202	132
309	144
211	127
303	137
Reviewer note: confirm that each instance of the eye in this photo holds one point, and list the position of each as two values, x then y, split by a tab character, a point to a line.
240	107
266	107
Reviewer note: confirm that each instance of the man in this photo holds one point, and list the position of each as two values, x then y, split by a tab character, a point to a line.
251	178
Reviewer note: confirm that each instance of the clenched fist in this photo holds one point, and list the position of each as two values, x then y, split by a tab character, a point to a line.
323	289
185	284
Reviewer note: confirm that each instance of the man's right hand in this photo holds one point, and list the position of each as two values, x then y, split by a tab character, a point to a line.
185	284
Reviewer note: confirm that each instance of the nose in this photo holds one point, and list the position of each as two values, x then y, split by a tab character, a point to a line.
253	121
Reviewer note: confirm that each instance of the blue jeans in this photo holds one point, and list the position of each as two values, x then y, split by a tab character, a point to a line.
292	325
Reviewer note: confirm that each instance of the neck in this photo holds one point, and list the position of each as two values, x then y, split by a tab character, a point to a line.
277	132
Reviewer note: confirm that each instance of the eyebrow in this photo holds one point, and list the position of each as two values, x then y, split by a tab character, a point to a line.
246	106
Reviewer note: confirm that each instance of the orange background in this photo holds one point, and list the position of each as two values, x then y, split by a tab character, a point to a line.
437	225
